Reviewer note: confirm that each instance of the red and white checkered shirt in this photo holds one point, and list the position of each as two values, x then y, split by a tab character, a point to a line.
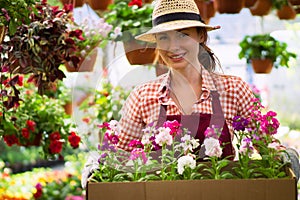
143	105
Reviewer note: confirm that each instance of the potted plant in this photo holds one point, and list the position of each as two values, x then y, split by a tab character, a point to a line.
131	17
284	9
165	159
41	46
265	48
93	33
206	9
37	121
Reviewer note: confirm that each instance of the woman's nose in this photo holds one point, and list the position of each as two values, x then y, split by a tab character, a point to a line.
174	45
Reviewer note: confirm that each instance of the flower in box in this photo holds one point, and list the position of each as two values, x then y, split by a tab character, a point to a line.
170	153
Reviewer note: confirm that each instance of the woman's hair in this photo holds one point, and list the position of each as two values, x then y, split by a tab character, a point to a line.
206	57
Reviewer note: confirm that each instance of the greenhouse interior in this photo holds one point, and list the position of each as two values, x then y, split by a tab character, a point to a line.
69	67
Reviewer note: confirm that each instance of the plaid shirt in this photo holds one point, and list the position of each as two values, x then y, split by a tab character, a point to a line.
142	107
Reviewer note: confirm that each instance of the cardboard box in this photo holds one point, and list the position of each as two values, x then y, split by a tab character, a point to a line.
229	189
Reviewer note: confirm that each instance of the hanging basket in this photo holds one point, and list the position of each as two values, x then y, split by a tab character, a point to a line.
286	12
139	54
206	9
249	3
85	65
99	4
229	6
262	66
75	3
261	8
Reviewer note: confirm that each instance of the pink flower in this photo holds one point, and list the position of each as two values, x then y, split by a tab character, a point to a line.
174	126
138	153
164	137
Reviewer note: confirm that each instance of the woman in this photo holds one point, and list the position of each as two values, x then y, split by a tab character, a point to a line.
190	92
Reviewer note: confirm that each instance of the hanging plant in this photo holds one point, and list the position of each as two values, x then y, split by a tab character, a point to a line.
264	46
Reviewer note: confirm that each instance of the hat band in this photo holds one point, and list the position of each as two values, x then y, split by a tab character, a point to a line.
176	16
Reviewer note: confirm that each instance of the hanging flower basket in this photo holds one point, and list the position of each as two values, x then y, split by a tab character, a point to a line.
99	4
206	9
229	6
85	65
262	66
286	12
75	3
138	53
249	3
261	8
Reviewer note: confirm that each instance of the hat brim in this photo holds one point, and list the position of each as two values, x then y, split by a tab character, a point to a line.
149	36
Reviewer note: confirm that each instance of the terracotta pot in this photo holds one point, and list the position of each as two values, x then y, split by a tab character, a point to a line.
99	4
85	65
2	33
206	9
261	8
295	2
76	3
68	108
286	12
249	3
139	54
262	66
229	6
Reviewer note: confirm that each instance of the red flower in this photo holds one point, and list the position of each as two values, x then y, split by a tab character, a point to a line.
31	125
55	146
10	140
74	140
55	136
39	191
20	80
25	133
139	3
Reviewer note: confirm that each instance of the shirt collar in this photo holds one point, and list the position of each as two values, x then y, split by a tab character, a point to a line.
208	85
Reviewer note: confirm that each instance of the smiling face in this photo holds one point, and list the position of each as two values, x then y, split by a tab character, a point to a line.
179	48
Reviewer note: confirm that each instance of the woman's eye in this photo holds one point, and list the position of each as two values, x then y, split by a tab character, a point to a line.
182	35
162	37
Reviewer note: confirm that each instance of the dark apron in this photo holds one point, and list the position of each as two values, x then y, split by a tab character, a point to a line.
197	124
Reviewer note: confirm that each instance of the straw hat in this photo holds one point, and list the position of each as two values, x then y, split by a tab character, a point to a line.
172	15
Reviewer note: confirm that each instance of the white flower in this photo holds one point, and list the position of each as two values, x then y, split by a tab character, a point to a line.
91	165
274	145
189	143
146	139
212	147
164	136
185	161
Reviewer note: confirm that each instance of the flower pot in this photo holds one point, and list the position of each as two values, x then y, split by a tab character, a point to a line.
286	12
99	4
249	3
75	3
206	9
68	108
139	54
2	33
229	6
85	65
294	2
262	66
261	8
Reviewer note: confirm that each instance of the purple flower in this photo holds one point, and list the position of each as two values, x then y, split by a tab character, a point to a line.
239	123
